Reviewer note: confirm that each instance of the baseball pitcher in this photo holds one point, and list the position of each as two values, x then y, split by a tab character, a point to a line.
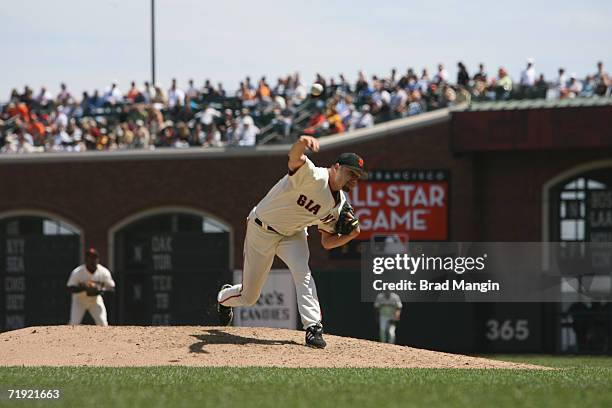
307	195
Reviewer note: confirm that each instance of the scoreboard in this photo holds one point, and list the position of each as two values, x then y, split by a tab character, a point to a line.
34	270
169	278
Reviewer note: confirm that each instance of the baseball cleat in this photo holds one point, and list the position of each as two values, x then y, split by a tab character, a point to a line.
314	337
226	314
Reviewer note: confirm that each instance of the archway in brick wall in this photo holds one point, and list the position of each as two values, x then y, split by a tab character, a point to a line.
577	208
38	250
169	264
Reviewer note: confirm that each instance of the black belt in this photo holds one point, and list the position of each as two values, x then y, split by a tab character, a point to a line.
258	222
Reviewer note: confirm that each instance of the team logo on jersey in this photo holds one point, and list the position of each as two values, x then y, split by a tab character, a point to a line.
310	205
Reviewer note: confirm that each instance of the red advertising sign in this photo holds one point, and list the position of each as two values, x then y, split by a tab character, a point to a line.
409	203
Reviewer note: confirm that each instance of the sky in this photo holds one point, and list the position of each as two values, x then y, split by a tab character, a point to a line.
89	43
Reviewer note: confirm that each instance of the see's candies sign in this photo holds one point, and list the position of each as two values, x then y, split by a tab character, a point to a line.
412	203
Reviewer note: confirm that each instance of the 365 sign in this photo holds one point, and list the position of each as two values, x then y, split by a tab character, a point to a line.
412	203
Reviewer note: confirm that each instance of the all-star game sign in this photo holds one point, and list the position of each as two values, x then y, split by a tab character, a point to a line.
411	204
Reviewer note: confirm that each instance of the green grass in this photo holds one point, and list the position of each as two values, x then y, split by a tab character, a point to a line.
580	381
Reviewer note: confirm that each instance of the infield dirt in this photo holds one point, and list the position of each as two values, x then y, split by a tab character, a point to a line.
198	346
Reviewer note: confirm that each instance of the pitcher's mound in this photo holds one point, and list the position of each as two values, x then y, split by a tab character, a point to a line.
121	346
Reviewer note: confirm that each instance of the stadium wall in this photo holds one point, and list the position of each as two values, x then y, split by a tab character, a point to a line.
495	194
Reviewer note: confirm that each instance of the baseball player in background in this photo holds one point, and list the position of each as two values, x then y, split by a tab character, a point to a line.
389	308
307	195
87	283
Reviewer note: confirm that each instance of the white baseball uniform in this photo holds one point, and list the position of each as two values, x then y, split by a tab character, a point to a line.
387	304
94	304
300	199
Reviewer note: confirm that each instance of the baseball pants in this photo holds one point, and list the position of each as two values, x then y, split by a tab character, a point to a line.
97	311
260	247
387	330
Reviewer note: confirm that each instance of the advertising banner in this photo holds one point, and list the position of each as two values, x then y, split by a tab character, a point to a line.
276	306
407	203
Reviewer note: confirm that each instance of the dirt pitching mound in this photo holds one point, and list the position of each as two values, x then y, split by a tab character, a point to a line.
122	346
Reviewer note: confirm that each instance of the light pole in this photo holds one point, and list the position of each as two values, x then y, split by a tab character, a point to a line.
153	42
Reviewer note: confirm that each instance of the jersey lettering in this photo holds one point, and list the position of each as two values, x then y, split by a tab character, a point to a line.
301	201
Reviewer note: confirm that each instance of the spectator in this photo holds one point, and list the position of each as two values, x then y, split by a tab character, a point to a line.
133	93
335	121
503	85
213	137
398	102
380	99
207	89
424	81
96	101
159	100
176	96
142	136
463	78
63	98
208	115
481	75
441	75
317	123
364	119
247	95
361	86
192	92
541	87
416	105
589	87
147	118
344	86
61	119
113	95
246	133
561	84
574	87
528	76
44	97
603	84
147	93
283	120
220	91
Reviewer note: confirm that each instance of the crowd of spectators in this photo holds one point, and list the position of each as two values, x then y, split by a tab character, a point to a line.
151	116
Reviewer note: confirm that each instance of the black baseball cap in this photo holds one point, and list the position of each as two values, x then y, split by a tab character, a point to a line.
353	162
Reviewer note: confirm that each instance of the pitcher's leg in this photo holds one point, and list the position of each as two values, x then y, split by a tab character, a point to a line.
259	249
295	253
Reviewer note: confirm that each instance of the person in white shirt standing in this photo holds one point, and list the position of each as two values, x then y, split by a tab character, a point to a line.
307	195
528	76
87	283
389	308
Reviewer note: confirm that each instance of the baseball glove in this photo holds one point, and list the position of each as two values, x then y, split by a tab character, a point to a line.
347	220
93	289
